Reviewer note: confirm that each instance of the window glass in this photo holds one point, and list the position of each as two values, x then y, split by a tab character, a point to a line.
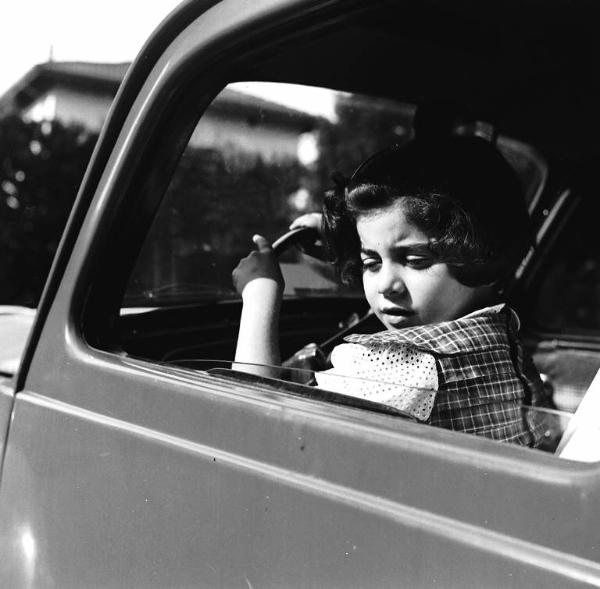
529	165
569	289
564	309
253	165
255	162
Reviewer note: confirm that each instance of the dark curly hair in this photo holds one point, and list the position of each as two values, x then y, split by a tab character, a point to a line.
460	191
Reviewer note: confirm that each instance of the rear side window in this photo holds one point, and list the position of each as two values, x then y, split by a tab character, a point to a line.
566	300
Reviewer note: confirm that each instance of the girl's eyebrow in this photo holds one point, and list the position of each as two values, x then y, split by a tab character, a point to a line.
364	250
420	247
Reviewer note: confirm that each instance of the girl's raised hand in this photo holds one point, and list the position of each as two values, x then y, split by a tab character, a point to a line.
259	267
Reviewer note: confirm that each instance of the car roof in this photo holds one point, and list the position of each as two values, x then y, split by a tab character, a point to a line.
527	66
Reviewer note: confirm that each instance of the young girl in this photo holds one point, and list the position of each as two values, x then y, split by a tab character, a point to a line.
433	230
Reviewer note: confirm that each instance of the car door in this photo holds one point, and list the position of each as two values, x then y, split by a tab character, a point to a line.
125	469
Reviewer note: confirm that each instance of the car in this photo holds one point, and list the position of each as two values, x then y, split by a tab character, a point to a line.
137	453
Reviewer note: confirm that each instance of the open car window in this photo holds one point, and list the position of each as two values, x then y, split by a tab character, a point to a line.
566	299
253	164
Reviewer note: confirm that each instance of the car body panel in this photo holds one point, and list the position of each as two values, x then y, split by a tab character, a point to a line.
221	488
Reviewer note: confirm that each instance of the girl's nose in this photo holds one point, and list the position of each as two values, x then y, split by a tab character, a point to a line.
389	281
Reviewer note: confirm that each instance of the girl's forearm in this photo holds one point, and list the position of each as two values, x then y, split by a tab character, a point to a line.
259	323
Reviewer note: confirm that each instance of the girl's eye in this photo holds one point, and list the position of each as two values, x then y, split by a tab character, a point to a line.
370	264
418	262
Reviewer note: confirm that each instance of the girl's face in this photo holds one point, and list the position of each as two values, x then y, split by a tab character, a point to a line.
404	284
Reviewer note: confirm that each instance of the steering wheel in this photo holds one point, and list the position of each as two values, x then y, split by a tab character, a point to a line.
306	239
313	356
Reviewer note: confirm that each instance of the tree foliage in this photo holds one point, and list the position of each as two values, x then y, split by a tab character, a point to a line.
216	200
41	167
364	126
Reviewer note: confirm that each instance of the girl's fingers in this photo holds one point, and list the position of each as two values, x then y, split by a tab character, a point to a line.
262	243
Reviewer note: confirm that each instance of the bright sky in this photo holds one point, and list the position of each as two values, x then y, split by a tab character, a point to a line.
89	30
74	30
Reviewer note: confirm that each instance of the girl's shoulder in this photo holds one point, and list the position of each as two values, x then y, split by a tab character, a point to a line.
486	329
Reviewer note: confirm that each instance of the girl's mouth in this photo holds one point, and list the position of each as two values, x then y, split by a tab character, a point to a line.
397	312
396	316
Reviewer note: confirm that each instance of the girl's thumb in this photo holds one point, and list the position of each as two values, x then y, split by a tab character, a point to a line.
261	243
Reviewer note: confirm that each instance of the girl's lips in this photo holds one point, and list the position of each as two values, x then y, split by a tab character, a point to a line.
397	312
396	317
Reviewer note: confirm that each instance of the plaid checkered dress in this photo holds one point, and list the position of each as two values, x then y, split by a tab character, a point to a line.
483	374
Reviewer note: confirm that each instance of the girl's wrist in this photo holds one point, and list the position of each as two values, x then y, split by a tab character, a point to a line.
262	291
257	338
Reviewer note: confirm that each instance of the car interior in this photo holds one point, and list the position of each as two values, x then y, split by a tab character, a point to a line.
520	71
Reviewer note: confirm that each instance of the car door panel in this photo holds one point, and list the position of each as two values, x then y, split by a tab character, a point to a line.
248	486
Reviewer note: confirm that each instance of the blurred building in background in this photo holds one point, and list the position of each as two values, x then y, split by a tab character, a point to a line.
247	154
81	93
252	165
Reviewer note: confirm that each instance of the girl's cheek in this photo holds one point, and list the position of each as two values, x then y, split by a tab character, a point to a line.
369	289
